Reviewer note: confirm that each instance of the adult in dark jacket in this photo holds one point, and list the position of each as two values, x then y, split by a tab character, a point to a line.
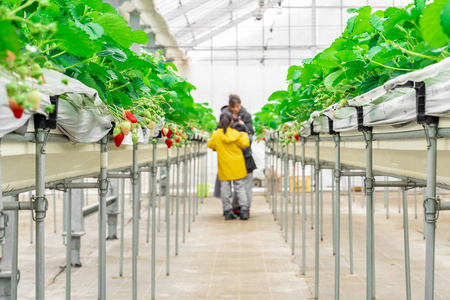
239	113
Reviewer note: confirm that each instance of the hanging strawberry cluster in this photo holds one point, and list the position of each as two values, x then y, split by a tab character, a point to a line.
174	136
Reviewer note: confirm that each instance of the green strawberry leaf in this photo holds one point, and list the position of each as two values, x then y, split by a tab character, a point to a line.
430	25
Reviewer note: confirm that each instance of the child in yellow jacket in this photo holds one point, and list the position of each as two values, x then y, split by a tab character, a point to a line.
228	143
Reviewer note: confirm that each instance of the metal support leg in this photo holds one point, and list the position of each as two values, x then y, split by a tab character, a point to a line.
415	204
286	194
177	213
40	212
430	206
303	208
68	245
350	233
282	195
135	184
399	200
185	178
313	187
190	189
198	179
369	216
54	211
103	189
167	210
321	205
406	244
194	180
316	173
15	251
386	198
337	218
159	201
272	177
333	211
276	182
154	171
122	218
294	196
150	203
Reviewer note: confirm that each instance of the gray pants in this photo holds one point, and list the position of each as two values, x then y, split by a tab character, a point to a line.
239	190
248	182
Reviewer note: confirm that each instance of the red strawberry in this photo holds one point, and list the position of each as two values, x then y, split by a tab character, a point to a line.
192	127
177	140
297	136
164	131
129	115
118	139
169	143
16	108
169	133
263	138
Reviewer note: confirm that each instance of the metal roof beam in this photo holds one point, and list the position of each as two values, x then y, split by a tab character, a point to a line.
227	26
206	22
183	9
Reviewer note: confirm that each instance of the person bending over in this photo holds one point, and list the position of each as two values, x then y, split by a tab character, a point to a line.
228	143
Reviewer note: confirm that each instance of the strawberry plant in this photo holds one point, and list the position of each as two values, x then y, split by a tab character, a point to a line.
90	41
376	46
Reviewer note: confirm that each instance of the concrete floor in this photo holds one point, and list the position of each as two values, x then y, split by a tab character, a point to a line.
244	259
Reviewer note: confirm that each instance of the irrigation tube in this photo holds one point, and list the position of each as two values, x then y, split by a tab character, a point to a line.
316	173
135	184
167	210
154	171
303	208
430	205
337	219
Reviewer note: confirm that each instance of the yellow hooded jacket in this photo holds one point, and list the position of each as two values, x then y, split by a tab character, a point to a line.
230	160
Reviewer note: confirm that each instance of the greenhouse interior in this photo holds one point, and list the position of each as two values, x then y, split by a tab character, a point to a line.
206	149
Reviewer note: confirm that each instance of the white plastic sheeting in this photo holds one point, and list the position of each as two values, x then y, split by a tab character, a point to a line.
389	110
82	116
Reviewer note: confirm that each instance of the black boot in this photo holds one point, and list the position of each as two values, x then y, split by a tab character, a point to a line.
229	215
244	215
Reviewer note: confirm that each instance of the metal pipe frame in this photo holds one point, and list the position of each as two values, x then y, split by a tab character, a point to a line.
286	194
303	208
122	221
294	196
40	212
336	213
406	244
15	246
153	267
277	144
370	280
103	190
167	211
135	223
185	178
316	268
68	245
178	202
430	205
190	192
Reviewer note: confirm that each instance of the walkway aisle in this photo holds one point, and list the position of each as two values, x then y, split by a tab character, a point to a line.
220	259
233	259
